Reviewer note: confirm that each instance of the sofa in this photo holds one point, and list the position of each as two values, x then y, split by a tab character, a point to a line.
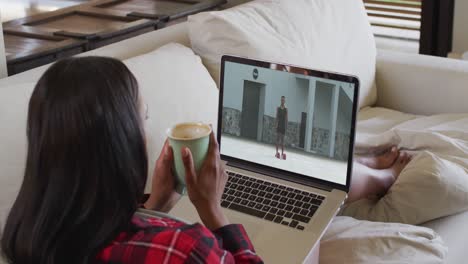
413	84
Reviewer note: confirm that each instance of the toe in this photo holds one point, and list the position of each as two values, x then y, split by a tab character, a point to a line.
402	158
393	153
406	158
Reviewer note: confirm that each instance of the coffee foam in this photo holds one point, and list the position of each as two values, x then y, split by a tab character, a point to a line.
189	131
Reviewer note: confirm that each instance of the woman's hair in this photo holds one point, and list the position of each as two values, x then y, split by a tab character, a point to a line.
86	165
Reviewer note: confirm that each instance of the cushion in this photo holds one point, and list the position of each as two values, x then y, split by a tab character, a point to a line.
332	35
454	231
352	241
434	184
183	91
177	88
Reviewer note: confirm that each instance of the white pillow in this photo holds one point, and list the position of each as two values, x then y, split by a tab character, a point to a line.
331	35
352	241
177	88
14	102
431	186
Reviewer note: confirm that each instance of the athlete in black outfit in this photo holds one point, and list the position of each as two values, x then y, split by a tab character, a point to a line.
281	126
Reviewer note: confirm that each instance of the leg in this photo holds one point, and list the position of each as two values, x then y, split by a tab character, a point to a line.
282	144
277	143
371	182
283	155
281	136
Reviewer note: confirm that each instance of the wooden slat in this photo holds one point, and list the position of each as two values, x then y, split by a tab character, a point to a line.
395	26
397	2
26	31
395	17
393	10
22	47
412	5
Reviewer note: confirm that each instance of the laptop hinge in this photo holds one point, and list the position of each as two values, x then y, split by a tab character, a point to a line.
272	173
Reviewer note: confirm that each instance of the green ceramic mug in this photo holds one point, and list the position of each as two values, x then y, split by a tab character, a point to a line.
196	137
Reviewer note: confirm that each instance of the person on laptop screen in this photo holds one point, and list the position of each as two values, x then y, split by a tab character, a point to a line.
281	127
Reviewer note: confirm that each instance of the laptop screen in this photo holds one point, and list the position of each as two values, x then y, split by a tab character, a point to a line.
287	118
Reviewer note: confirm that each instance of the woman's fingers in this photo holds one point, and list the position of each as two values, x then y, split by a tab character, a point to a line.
213	144
189	166
168	156
213	151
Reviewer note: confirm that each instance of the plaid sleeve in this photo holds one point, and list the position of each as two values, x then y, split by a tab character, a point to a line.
230	245
164	240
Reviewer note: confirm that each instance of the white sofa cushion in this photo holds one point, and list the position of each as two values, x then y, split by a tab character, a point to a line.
177	88
331	35
437	84
354	242
181	90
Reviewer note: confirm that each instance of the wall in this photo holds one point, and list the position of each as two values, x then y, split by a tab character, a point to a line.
460	31
3	67
276	85
343	125
345	113
323	99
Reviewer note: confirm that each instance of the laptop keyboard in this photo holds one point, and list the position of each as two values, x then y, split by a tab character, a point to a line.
270	201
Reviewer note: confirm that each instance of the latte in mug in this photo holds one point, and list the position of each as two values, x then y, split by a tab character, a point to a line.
196	137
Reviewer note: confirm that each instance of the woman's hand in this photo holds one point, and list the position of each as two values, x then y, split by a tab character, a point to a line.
206	188
163	195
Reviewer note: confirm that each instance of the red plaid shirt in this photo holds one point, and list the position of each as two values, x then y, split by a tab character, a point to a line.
164	240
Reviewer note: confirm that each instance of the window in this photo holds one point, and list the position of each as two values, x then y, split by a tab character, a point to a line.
396	23
419	26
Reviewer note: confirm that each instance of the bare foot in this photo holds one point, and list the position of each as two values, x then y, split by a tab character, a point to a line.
382	161
373	183
388	176
403	160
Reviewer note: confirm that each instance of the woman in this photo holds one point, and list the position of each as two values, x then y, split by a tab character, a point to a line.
86	171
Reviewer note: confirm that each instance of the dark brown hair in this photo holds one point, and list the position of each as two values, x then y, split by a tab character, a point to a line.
86	164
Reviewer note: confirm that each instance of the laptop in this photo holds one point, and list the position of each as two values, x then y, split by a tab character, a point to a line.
286	134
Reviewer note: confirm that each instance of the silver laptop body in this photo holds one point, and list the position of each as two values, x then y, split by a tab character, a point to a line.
285	203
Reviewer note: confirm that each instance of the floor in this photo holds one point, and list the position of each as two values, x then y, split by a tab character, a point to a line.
300	162
13	9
